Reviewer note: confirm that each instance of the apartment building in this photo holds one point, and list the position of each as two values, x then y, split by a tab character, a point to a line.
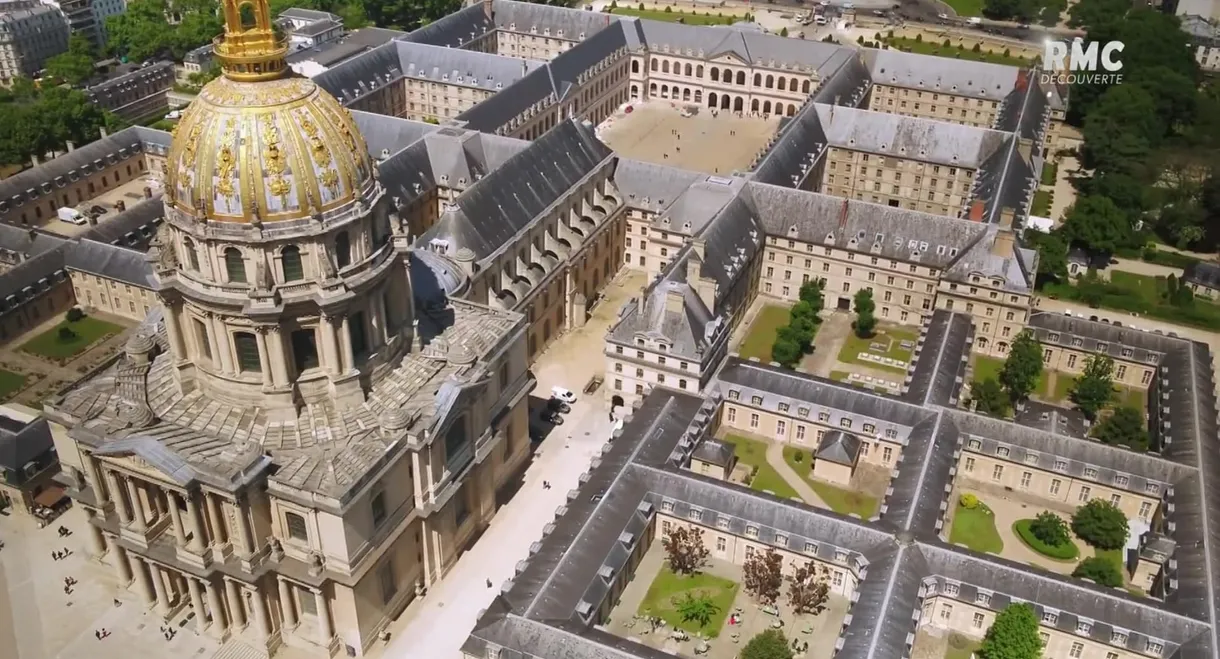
939	88
139	93
30	34
1066	347
308	28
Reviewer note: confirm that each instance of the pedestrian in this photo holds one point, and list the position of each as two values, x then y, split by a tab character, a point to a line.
489	583
117	603
55	555
67	589
97	634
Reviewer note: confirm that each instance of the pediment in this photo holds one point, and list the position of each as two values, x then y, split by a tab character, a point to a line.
148	457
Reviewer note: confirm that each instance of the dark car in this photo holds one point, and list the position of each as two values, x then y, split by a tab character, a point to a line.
557	405
552	417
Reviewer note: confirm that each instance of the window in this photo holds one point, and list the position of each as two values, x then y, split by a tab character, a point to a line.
969	467
377	504
1084	627
997	472
667	506
304	349
1115	499
1050	618
753	420
1118	638
974	445
1145	509
732	415
1061	465
1077	650
192	257
1025	478
696	515
343	250
358	337
385	577
1045	637
751	531
781	540
1121	481
722	544
1152	488
978	620
291	262
887	454
1055	483
811	548
1090	472
1002	451
235	266
983	598
952	589
845	422
946	611
247	352
295	525
201	336
1084	493
756	400
781	428
722	522
1031	458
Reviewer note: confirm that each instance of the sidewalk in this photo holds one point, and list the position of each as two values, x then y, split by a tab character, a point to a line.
775	456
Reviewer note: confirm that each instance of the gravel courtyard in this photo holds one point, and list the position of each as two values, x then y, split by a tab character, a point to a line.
718	144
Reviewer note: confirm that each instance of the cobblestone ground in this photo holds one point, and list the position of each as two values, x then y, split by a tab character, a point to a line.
703	143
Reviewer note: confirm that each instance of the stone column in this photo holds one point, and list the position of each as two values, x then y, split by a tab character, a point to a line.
173	330
138	517
216	518
378	327
260	337
175	515
287	605
330	346
196	521
243	525
201	615
262	622
279	357
122	566
237	608
325	631
97	541
147	590
95	481
213	344
223	344
345	344
120	504
217	609
158	580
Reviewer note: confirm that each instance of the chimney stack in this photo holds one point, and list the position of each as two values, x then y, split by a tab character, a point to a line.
977	210
1005	240
1025	147
120	206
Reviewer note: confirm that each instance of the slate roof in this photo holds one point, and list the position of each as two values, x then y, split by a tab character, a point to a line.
670	309
714	451
940	362
650	187
492	210
562	22
97	155
133	228
455	30
111	261
940	74
914	138
1203	274
22	442
839	447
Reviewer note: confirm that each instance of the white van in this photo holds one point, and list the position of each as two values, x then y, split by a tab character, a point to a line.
819	20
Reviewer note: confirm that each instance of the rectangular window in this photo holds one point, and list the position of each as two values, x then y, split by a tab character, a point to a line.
246	347
753	420
1077	650
295	525
1055	483
389	585
359	338
969	467
1084	493
1145	510
887	454
1025	478
722	544
978	620
997	472
377	504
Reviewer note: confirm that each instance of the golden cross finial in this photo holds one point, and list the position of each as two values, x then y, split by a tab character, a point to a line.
250	49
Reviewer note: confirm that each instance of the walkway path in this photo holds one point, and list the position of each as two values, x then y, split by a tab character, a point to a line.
775	456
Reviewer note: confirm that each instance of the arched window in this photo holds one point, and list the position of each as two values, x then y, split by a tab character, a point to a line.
741	78
235	266
192	258
654	65
805	87
699	71
291	257
247	352
757	79
665	66
343	250
686	70
635	66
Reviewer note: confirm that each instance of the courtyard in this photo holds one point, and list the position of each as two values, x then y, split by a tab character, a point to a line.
40	362
1055	387
711	141
939	644
736	615
787	472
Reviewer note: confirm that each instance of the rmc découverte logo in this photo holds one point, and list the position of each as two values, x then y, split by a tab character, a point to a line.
1068	62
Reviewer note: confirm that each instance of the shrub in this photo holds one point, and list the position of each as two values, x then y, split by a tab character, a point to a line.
889	35
783	32
877	36
66	334
1050	529
74	314
1101	524
641	7
798	456
1007	52
1064	552
919	38
860	40
1100	571
946	44
969	501
668	9
977	49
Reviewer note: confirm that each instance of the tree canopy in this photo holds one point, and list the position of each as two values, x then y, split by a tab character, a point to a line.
1101	524
1013	635
75	65
1094	389
866	322
1125	427
989	397
1100	570
34	122
1023	368
142	32
770	644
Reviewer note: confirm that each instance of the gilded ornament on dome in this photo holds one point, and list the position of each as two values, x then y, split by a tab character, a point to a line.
224	171
279	187
321	154
329	179
309	127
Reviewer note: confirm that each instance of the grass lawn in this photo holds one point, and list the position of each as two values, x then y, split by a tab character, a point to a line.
1042	203
1137	398
1050	171
10	383
975	528
961	647
88	331
753	452
954	52
989	367
840	500
668	588
1063	388
894	336
1147	287
1115	556
966	7
1067	552
761	335
675	16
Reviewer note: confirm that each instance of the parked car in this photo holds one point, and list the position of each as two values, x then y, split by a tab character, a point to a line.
563	394
552	417
558	406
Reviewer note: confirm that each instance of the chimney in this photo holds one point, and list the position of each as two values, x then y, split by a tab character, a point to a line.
71	146
92	219
1004	237
675	301
977	209
699	247
1025	147
639	304
120	206
147	192
488	11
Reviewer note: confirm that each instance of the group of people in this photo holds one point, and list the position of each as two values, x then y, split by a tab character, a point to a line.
64	531
69	582
99	634
169	633
60	555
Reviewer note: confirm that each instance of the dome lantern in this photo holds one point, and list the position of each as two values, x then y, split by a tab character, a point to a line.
250	50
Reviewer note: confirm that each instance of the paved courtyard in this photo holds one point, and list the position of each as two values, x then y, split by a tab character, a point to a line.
44	377
717	144
820	631
436	626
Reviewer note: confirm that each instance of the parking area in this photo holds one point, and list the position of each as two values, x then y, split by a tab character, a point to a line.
656	131
106	204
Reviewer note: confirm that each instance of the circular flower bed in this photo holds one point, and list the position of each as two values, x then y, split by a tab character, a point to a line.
1064	552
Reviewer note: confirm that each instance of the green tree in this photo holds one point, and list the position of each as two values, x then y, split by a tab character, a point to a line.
1050	529
1097	225
1121	131
684	550
695	609
770	644
1023	368
783	32
1092	13
1052	254
1128	193
866	322
763	575
1094	390
988	397
1125	427
1101	524
76	64
808	591
785	351
811	293
1013	635
1100	570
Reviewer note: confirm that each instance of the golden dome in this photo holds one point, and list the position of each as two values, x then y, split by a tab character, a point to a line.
276	150
257	145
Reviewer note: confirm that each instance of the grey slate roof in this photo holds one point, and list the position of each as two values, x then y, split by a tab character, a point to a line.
455	30
671	310
393	134
927	140
1203	274
494	209
561	22
133	228
714	451
111	261
47	178
651	187
839	447
796	56
22	442
940	359
940	74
